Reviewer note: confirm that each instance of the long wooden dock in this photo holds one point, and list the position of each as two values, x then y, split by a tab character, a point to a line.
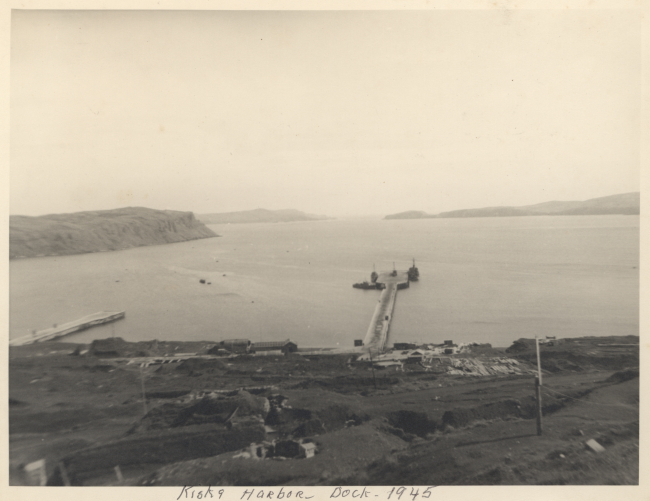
378	331
58	331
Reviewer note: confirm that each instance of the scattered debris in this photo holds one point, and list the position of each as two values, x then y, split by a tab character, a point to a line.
440	422
416	423
594	446
278	450
308	449
230	410
35	472
430	360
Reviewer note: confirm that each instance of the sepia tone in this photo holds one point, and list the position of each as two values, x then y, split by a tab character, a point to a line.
324	248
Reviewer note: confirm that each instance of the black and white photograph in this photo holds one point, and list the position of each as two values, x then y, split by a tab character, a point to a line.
379	253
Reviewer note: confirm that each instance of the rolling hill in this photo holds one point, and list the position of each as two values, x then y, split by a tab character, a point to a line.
96	231
259	216
625	203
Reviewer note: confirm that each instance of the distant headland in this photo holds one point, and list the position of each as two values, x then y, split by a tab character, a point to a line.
260	216
96	231
625	203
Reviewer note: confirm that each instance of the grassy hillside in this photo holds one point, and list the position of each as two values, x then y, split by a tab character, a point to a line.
425	424
95	231
625	203
259	216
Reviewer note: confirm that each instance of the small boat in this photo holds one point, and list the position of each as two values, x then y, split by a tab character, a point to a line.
365	286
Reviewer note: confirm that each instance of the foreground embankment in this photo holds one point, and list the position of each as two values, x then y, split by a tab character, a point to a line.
320	420
97	231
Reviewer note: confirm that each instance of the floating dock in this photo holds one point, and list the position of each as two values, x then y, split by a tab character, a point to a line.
58	331
377	335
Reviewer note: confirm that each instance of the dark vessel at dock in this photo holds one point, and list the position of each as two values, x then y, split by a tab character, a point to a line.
372	285
374	275
367	286
414	273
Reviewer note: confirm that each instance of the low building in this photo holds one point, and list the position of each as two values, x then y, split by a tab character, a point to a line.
414	357
307	450
404	346
236	345
284	347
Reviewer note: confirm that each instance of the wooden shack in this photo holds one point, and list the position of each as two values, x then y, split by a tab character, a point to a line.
284	347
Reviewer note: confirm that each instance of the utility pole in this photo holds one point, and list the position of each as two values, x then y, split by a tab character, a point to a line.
144	395
372	367
538	388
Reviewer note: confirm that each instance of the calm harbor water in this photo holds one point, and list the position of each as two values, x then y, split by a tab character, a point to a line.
482	279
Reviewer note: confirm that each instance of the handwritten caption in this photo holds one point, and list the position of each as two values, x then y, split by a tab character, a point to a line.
250	494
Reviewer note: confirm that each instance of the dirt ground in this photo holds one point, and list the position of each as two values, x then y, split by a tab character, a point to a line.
248	420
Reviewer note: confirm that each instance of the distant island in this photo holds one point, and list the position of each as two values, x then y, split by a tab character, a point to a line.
96	231
625	203
259	216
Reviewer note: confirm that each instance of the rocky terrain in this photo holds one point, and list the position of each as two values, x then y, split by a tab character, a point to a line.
97	231
322	419
259	216
626	203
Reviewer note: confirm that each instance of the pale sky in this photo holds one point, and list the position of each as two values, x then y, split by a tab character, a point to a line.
336	113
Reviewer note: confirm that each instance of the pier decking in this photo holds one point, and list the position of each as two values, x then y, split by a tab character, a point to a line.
59	331
377	335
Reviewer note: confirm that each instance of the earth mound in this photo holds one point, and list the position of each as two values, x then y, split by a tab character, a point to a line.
210	409
622	376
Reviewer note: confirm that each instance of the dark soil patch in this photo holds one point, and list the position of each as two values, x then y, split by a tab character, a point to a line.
101	368
167	393
63	419
622	376
416	423
108	348
206	410
155	448
200	366
309	429
335	417
345	384
289	416
580	354
422	466
464	416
